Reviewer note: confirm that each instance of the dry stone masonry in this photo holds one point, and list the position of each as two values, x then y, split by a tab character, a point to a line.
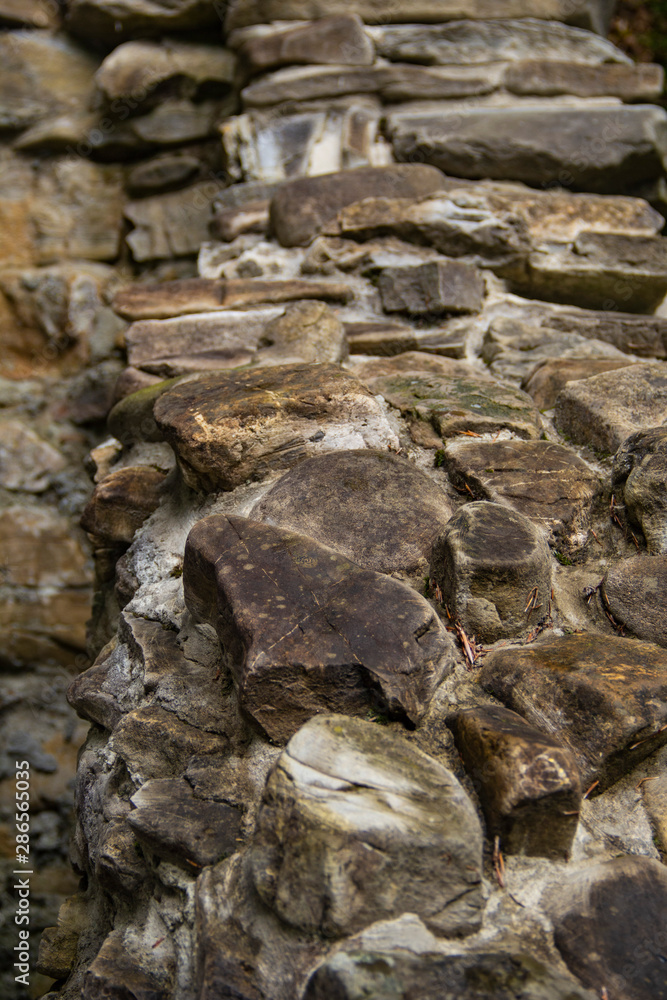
332	499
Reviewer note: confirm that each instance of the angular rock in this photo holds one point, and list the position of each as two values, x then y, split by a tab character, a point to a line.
382	339
103	692
431	289
194	295
122	501
101	21
173	824
357	825
632	591
587	13
587	149
137	69
228	428
306	631
264	147
43	627
162	173
374	508
307	330
43	77
120	866
460	402
493	567
170	225
466	42
301	207
546	380
534	78
27	462
173	122
601	271
638	476
212	334
604	410
471	975
154	743
528	784
132	420
114	971
608	926
58	945
604	697
340	40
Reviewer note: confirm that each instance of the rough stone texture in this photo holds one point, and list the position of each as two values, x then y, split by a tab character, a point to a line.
543	480
98	21
310	331
471	975
460	402
604	410
465	42
137	68
528	784
27	462
630	83
638	477
629	953
546	380
589	150
372	507
170	225
603	696
301	207
226	429
602	271
430	289
490	562
121	503
340	40
331	636
632	590
356	825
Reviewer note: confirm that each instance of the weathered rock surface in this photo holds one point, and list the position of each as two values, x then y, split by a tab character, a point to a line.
98	21
226	429
545	481
340	40
307	330
546	380
372	507
604	697
122	501
452	287
301	207
493	567
638	478
175	825
472	975
589	150
306	631
604	410
539	79
632	591
137	69
27	462
628	953
356	825
528	783
460	402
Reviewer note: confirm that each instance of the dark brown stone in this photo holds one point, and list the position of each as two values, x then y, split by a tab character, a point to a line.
609	926
604	697
544	481
300	208
431	289
639	476
339	40
155	743
176	826
114	975
633	591
122	501
488	562
97	693
527	783
306	631
372	507
228	428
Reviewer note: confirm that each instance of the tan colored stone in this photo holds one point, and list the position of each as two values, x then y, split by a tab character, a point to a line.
643	82
135	69
546	380
27	462
40	549
121	503
340	40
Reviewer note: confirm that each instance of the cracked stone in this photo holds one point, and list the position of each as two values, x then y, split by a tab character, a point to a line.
357	825
306	631
430	289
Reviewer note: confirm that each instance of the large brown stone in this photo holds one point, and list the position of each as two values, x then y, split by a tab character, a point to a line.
432	289
493	566
608	926
546	380
307	330
534	78
587	149
357	825
632	591
305	631
121	503
604	697
340	40
301	207
528	783
154	743
372	507
136	70
228	428
602	411
638	479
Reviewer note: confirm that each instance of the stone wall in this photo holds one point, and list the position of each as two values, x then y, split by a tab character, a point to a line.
352	313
